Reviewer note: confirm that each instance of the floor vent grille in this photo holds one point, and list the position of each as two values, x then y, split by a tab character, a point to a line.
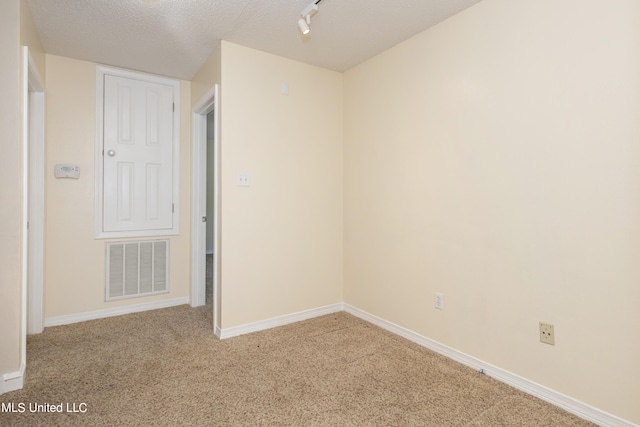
137	269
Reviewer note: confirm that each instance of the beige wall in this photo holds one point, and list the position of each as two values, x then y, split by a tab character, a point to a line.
282	236
10	188
207	76
75	261
494	158
29	37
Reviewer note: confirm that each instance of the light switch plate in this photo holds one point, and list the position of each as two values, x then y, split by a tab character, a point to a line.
438	301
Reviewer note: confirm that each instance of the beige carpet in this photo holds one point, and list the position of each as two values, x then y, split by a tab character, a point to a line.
165	367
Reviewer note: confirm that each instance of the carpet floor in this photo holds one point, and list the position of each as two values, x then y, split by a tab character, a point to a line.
165	367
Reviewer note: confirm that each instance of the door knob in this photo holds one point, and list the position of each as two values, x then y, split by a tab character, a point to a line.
111	153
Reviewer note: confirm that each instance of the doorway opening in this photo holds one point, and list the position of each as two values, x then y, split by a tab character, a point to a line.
210	172
205	204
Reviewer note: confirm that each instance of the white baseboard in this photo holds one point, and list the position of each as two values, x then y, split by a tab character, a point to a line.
12	381
110	312
278	321
567	403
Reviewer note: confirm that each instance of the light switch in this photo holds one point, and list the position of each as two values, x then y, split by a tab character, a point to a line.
242	180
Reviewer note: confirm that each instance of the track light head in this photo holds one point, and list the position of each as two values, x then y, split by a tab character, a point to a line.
305	21
303	26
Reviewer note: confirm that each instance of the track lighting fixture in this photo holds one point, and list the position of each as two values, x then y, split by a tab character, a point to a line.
303	26
305	21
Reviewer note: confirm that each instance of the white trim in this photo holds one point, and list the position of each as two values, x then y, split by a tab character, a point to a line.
101	71
111	312
25	211
12	381
217	166
35	80
37	164
567	403
208	103
279	321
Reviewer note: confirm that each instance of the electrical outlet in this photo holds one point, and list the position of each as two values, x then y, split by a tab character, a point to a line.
242	180
439	301
547	335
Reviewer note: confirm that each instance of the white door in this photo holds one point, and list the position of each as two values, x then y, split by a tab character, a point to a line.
137	155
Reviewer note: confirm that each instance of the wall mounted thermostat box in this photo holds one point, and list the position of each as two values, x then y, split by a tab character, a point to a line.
67	171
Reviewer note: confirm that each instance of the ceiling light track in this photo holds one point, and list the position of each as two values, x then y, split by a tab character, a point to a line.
304	23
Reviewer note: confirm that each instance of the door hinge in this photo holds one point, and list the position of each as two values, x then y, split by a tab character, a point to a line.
173	207
174	107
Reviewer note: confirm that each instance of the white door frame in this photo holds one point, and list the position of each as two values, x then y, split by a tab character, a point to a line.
208	103
33	198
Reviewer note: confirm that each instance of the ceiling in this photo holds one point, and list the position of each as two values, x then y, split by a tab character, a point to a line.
174	37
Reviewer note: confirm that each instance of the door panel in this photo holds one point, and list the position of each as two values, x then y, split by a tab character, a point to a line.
138	155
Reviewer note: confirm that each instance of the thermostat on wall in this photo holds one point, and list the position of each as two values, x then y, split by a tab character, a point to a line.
67	171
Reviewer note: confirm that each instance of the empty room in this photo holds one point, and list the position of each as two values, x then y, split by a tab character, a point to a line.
320	212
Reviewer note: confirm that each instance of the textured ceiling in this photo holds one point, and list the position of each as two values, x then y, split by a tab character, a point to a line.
174	37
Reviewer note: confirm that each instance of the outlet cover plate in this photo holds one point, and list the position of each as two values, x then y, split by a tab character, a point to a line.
439	301
242	179
547	334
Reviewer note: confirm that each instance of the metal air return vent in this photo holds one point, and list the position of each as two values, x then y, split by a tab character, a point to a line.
137	269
